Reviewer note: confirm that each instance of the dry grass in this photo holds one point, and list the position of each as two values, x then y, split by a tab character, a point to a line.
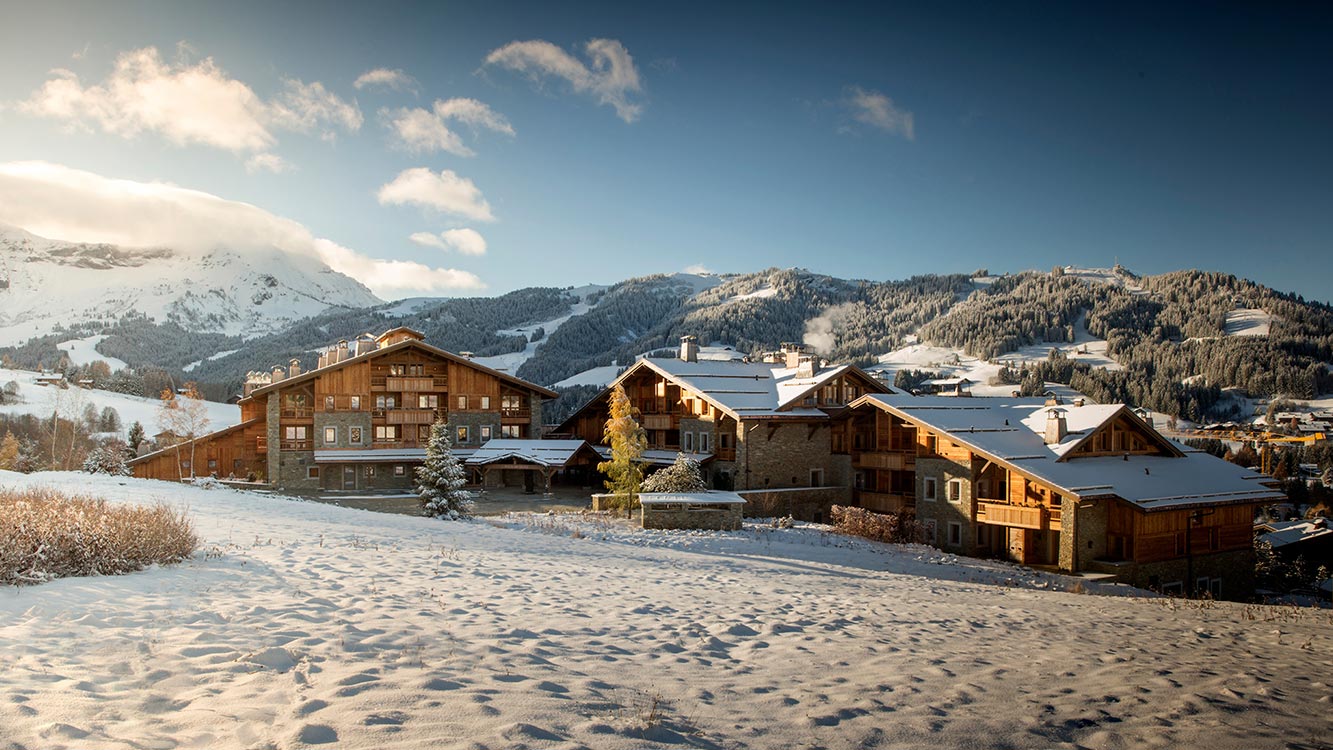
881	527
46	534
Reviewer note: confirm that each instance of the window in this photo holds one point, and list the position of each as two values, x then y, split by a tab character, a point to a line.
399	470
955	534
511	430
212	464
485	403
816	477
397	370
462	402
930	444
415	369
330	435
354	435
328	403
955	490
983	488
386	433
704	439
511	402
687	442
723	440
294	432
356	403
462	434
423	433
383	402
370	472
428	401
485	432
928	488
312	472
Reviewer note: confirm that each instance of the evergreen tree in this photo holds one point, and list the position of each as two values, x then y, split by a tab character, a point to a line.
107	458
9	452
441	478
628	441
135	437
682	476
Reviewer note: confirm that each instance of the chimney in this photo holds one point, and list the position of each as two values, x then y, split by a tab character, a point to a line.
466	355
294	368
1053	399
689	349
323	360
807	366
793	354
1056	426
1079	401
278	373
342	350
772	358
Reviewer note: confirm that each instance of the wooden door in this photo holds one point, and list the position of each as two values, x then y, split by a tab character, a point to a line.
1018	544
349	477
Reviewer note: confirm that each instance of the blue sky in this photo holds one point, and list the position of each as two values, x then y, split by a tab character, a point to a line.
874	141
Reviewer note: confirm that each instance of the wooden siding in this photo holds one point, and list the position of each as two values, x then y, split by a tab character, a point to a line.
233	452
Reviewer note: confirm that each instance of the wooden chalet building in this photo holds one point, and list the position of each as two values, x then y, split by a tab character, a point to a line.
752	425
1075	487
360	420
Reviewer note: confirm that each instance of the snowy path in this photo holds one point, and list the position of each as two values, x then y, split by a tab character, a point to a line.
301	624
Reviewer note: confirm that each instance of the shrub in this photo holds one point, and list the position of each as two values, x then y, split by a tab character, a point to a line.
881	527
46	534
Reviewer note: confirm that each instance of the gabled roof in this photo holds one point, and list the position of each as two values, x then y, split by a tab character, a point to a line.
1283	533
186	443
1011	432
541	452
745	390
400	346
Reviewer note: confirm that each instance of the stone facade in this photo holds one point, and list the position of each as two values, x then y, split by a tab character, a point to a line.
722	518
782	454
942	511
342	422
473	421
805	503
1235	569
1083	533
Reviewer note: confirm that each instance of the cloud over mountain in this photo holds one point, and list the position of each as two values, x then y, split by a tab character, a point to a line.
609	76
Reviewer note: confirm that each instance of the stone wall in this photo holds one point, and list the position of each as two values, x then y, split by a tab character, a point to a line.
473	420
1082	533
940	512
722	519
804	503
1235	568
535	422
342	421
783	459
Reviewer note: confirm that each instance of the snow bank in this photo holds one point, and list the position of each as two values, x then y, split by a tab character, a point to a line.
301	624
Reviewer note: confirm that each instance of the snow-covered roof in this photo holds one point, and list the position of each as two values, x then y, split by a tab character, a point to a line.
949	381
656	458
540	452
1282	533
751	389
1012	431
707	497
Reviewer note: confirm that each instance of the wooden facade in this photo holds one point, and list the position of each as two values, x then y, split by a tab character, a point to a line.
361	420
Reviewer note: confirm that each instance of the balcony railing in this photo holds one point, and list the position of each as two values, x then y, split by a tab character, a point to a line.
295	412
884	502
520	414
295	445
1019	516
410	416
657	422
889	461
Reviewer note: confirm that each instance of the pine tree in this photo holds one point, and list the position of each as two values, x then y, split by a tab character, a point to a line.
441	478
628	441
135	437
9	452
107	458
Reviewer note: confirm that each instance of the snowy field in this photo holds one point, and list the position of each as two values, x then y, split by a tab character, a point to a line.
84	351
1248	322
41	400
306	625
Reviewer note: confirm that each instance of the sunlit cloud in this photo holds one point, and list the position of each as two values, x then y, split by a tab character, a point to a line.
419	130
396	80
878	111
610	76
445	192
466	241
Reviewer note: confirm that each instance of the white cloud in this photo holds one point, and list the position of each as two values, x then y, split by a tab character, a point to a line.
69	204
698	269
189	103
391	79
267	163
420	130
877	110
445	192
465	241
610	76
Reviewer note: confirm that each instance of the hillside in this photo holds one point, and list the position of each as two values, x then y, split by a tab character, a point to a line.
298	623
1173	343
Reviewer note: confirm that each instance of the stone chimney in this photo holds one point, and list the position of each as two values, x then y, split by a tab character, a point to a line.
1056	426
772	358
279	374
689	349
466	355
343	352
794	353
293	368
1053	399
807	366
1079	401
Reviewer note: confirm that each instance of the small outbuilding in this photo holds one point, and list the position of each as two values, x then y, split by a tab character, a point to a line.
712	509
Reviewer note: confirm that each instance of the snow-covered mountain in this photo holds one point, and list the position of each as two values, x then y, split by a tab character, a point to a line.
236	291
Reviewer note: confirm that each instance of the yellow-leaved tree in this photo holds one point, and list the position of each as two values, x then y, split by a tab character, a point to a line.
628	441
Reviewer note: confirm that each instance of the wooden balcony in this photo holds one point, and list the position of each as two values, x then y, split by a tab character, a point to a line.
1023	517
725	454
297	413
884	502
409	416
887	460
515	415
295	445
414	384
658	422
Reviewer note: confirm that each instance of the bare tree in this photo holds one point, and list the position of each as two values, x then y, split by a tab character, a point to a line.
184	416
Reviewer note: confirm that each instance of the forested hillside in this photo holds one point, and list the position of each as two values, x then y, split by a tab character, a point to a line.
1170	332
